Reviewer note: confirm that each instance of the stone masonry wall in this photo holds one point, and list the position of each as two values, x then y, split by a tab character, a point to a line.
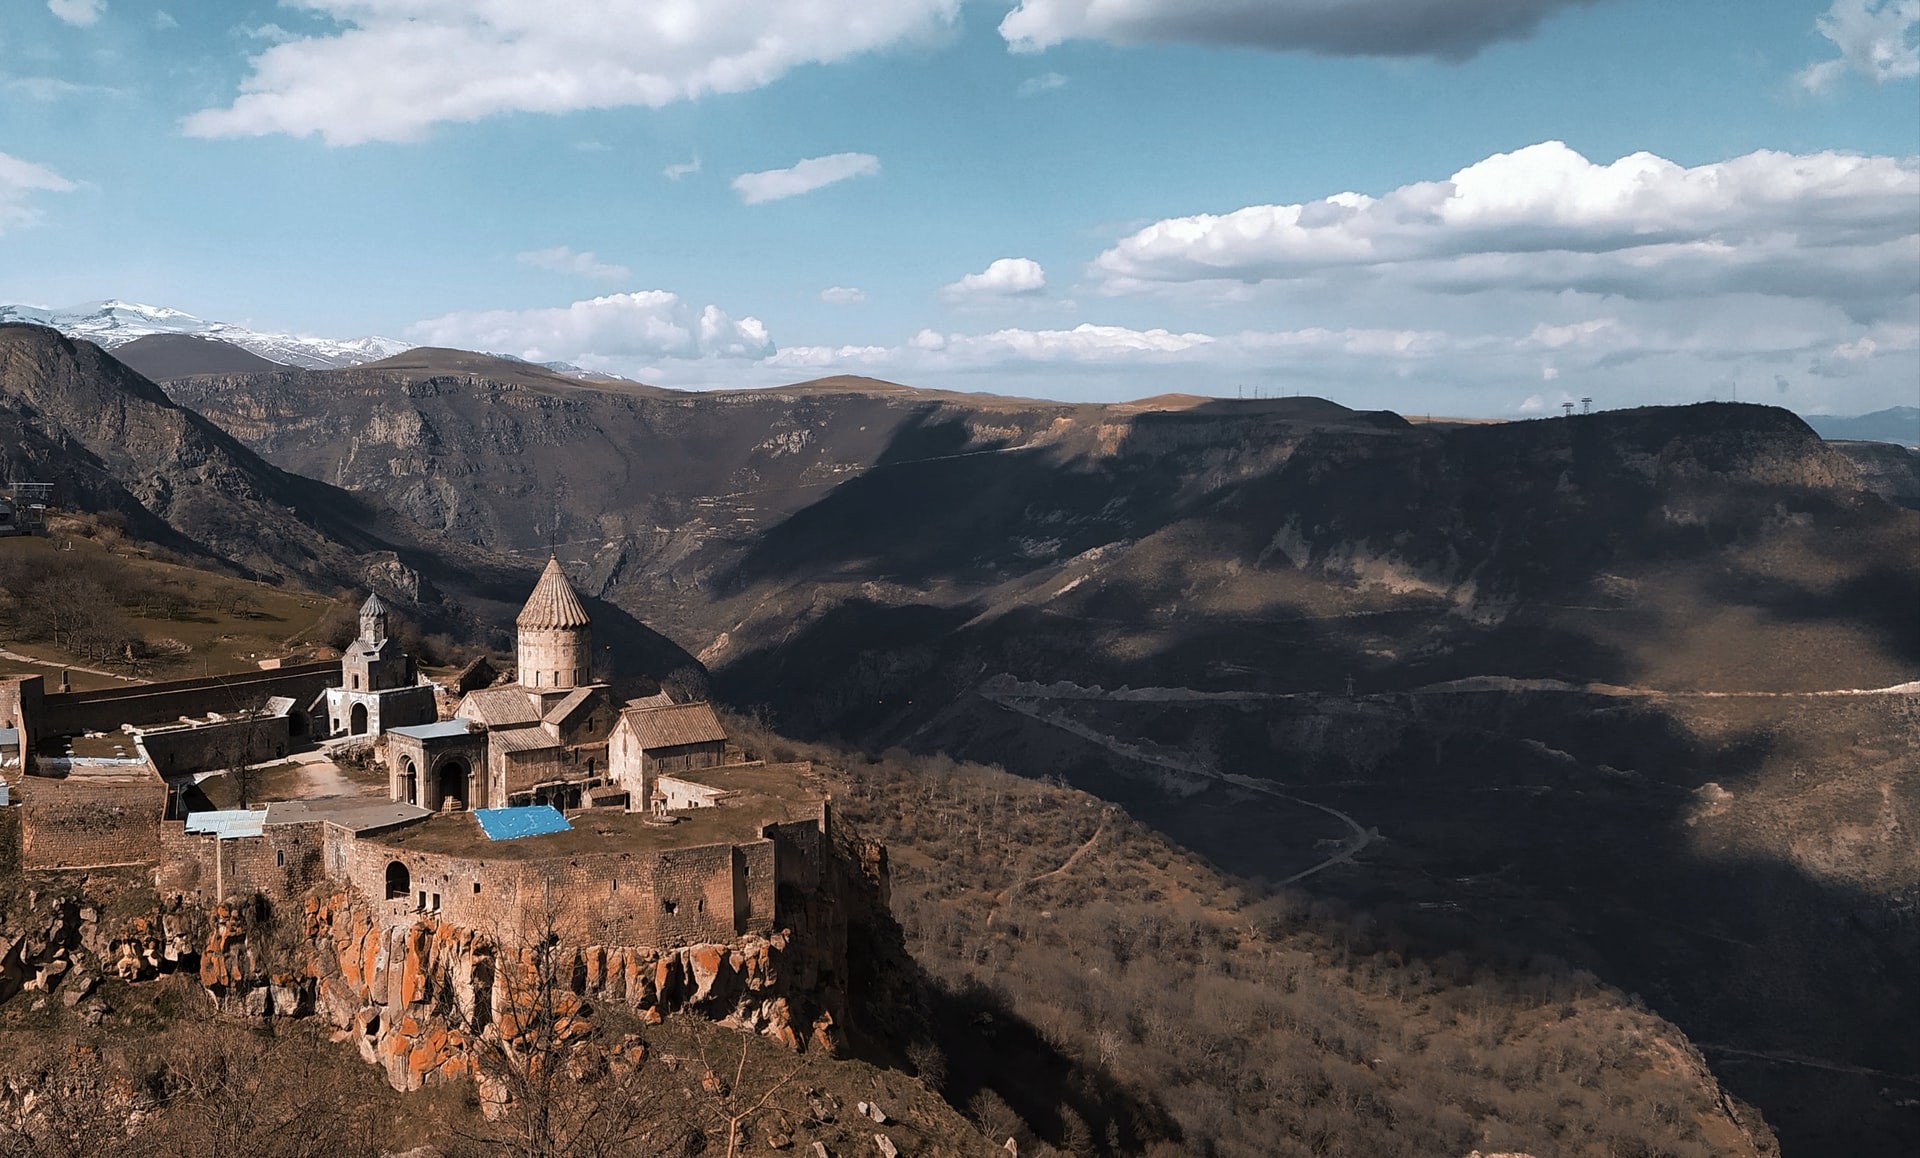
211	747
70	713
22	705
674	897
83	822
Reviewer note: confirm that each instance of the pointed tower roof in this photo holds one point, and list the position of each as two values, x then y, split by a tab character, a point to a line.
373	606
553	602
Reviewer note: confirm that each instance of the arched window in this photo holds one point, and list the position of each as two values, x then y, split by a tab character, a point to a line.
399	882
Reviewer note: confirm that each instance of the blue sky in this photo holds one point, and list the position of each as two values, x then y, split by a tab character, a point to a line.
1044	197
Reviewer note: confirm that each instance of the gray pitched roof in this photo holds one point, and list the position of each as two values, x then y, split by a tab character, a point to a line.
674	726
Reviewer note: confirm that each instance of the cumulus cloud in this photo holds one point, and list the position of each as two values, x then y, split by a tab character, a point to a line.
616	331
1006	278
1045	82
19	182
840	295
681	169
1876	38
804	177
564	259
1825	225
1448	29
81	13
396	68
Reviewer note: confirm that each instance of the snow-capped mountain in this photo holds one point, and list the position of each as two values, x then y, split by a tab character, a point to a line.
112	323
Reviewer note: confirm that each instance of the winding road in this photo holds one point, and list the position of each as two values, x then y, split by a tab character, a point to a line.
1359	837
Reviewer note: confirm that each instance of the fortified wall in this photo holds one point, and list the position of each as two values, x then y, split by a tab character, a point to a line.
71	713
90	819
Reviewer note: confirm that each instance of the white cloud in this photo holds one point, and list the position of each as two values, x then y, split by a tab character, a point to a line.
1045	82
563	259
617	332
398	67
682	169
1876	38
19	181
47	89
163	20
1007	277
82	13
1825	225
1449	29
592	146
840	295
804	177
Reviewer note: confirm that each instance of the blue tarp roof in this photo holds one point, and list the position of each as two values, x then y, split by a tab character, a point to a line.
514	823
439	731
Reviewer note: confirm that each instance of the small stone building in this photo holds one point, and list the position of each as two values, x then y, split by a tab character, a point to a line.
653	741
440	766
379	687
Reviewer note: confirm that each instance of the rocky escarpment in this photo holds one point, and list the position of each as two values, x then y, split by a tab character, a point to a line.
110	440
427	1001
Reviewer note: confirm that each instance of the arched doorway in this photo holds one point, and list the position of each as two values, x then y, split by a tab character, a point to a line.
357	720
453	784
409	781
399	882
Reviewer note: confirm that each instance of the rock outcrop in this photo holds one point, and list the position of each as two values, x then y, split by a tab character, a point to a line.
427	1001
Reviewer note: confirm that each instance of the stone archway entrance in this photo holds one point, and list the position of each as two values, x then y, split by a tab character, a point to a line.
399	881
357	720
409	781
452	776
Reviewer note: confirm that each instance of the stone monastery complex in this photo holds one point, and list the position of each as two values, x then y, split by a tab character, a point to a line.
538	804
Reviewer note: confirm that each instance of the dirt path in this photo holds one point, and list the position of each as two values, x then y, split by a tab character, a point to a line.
18	658
1359	836
1073	858
1789	1059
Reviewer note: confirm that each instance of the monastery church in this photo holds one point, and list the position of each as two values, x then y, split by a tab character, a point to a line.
552	737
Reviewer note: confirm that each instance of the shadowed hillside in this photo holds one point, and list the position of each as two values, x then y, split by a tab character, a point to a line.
1437	670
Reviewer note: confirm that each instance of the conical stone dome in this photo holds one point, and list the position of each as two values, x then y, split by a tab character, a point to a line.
556	640
553	603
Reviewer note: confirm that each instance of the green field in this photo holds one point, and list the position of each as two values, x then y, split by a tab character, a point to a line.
74	600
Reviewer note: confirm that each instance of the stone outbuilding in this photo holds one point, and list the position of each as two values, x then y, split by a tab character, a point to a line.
653	740
440	766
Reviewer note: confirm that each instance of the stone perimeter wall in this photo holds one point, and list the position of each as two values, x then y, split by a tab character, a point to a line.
679	896
83	822
672	897
70	713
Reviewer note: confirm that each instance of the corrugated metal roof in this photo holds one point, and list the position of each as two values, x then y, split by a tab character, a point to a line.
501	707
445	729
672	727
514	823
228	824
522	740
553	602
